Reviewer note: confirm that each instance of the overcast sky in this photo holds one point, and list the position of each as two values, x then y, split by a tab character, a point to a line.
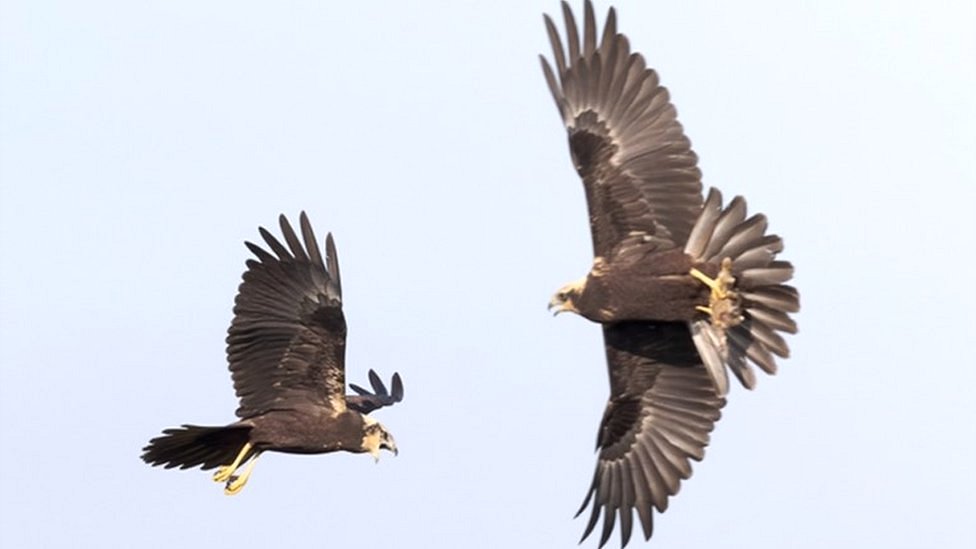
142	142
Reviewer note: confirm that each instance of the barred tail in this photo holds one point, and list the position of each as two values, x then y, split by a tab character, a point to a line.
765	301
192	446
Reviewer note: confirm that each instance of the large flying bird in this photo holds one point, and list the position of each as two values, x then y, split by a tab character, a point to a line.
682	286
286	347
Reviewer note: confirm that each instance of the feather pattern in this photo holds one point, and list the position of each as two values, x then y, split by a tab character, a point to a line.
637	166
286	344
661	410
765	300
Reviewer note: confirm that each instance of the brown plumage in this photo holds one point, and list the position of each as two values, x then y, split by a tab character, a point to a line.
683	287
286	349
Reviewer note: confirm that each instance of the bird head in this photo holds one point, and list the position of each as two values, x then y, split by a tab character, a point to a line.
376	438
564	300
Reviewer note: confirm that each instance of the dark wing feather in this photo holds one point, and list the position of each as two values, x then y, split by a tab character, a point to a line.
637	166
286	344
365	401
662	408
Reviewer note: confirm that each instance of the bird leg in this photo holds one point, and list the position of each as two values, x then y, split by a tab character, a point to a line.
224	472
236	482
723	302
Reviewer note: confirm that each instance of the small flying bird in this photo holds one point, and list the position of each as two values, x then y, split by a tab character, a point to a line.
684	288
286	348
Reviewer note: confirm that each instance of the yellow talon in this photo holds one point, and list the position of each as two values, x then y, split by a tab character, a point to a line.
224	472
720	285
236	483
723	302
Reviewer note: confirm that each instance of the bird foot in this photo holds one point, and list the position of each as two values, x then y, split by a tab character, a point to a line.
723	302
225	472
236	482
234	485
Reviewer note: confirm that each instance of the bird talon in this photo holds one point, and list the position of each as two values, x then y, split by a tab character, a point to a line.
723	301
224	472
234	485
236	482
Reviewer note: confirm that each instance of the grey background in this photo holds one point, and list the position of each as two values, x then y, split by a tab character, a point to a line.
142	142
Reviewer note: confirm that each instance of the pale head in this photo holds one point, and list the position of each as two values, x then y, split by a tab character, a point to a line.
376	438
563	300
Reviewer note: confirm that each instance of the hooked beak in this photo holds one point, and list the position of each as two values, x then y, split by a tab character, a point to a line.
390	445
562	301
557	305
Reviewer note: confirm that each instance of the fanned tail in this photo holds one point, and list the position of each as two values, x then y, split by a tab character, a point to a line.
191	446
764	300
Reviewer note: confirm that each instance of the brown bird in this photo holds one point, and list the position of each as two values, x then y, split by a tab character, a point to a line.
682	286
286	348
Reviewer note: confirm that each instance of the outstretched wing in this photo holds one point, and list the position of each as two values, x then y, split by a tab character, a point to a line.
639	172
365	402
662	408
286	344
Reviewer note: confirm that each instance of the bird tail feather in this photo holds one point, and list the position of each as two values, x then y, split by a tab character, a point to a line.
764	300
192	445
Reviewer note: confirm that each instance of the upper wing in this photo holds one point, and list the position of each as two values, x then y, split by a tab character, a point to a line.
365	402
286	344
662	408
638	169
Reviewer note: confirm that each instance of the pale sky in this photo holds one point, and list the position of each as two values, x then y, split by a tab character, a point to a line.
142	142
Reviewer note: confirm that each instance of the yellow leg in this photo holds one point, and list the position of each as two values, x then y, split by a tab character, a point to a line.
235	483
704	279
225	471
721	284
723	303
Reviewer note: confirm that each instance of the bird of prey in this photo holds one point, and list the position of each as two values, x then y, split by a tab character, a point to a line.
286	348
683	287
